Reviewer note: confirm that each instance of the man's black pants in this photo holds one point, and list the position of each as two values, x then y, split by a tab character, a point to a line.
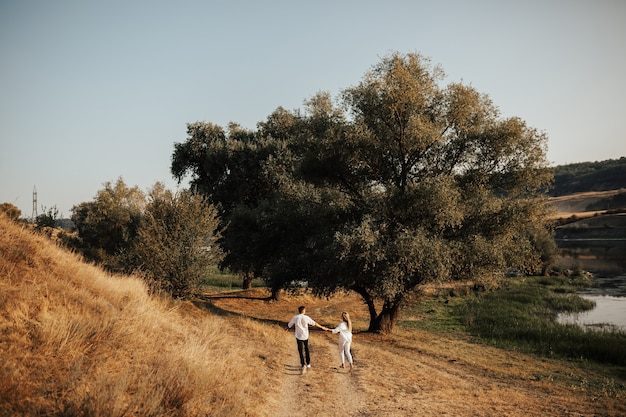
303	350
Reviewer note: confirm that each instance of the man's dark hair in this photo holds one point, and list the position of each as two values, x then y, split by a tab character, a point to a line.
301	309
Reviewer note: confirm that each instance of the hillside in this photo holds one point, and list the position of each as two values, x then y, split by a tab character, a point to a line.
589	176
597	215
77	341
590	189
581	204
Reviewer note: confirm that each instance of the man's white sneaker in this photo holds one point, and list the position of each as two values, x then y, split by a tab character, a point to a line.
303	369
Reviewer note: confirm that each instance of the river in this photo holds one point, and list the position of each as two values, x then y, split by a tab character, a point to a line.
606	259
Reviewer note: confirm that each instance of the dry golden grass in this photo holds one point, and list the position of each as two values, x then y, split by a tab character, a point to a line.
77	341
575	204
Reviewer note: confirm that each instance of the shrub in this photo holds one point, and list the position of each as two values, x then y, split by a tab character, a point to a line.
177	241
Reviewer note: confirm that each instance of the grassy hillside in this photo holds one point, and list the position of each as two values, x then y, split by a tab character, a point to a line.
581	204
76	341
589	176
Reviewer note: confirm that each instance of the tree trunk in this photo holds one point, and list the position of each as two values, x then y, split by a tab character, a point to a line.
275	294
247	280
387	318
385	321
369	301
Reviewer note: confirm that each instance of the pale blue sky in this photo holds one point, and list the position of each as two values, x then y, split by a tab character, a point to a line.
94	90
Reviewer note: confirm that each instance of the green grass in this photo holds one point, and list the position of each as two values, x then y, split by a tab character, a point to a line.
521	315
217	280
436	314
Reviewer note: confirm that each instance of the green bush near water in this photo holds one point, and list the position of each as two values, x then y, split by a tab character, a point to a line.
522	314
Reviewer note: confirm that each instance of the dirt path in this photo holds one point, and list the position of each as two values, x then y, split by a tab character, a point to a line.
415	372
325	389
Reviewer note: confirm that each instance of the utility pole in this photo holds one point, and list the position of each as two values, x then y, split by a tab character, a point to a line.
34	215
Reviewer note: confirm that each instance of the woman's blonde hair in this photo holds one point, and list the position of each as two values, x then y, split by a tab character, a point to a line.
346	317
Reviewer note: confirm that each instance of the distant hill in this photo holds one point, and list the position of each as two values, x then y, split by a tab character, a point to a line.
589	176
589	199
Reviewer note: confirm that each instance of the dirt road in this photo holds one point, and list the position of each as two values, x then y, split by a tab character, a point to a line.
417	373
385	384
325	389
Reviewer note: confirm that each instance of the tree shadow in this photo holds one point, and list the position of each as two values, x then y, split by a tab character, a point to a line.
205	302
233	294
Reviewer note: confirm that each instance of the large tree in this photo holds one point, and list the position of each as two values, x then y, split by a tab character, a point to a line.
228	167
442	187
406	182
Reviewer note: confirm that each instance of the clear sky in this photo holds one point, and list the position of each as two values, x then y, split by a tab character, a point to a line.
95	90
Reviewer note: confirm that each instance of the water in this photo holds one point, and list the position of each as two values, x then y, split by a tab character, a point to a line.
609	313
606	259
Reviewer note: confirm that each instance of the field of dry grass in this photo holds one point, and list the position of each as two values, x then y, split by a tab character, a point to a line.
76	341
575	204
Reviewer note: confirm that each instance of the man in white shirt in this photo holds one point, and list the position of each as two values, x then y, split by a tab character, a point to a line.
302	322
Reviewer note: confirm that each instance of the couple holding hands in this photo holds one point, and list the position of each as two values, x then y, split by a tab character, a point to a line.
302	322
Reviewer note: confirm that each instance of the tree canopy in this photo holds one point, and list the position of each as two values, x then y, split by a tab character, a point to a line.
107	225
404	181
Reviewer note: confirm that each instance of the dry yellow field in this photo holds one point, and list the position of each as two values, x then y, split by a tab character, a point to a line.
574	204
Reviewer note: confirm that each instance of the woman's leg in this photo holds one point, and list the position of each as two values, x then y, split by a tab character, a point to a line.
341	354
346	352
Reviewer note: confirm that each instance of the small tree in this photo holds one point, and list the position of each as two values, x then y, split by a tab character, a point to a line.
176	241
107	225
48	219
45	223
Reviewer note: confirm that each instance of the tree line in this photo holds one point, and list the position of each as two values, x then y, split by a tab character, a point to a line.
589	176
400	181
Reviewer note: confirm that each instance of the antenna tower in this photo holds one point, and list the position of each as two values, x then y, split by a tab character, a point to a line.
34	215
